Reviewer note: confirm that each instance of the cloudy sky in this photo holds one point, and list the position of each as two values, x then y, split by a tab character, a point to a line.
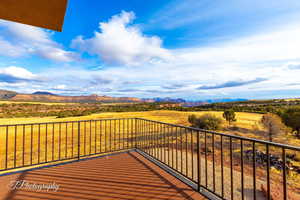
193	49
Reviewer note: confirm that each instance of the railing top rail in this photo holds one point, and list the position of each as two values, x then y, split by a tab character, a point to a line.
228	135
58	122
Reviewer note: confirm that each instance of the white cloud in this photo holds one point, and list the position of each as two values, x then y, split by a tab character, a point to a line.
266	56
60	87
23	40
18	72
27	33
119	42
57	54
8	49
18	78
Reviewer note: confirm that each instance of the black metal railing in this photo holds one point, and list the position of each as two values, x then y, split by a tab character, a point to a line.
24	145
227	166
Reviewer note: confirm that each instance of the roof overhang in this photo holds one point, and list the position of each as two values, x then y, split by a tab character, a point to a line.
42	13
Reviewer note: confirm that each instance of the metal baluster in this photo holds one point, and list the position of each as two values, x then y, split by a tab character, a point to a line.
127	133
214	169
53	142
186	153
254	170
78	147
100	136
110	137
114	134
66	153
181	144
268	172
119	134
15	153
46	144
90	152
176	131
192	149
222	166
39	142
242	168
6	152
31	145
23	160
161	142
59	147
72	139
172	146
95	129
198	162
231	168
284	174
205	146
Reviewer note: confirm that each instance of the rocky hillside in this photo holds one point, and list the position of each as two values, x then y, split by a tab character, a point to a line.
49	97
5	94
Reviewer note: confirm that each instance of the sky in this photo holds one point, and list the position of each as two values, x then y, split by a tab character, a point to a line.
192	49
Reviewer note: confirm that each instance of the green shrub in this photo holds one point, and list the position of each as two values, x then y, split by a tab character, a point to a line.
229	115
206	121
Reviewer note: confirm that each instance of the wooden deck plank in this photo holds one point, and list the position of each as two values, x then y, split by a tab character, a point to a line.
123	176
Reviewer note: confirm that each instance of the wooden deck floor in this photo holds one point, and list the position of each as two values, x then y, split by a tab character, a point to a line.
122	176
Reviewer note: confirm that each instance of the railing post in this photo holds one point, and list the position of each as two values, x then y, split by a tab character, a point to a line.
198	162
135	133
78	141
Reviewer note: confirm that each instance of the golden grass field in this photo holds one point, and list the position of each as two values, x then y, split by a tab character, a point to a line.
63	131
244	120
247	121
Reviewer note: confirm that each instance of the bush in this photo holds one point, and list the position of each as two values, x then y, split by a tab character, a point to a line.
291	118
229	115
206	121
273	124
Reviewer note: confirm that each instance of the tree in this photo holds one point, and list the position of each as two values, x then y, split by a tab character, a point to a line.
273	124
206	121
192	119
229	115
291	118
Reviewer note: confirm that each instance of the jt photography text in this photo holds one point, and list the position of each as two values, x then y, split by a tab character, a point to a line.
22	184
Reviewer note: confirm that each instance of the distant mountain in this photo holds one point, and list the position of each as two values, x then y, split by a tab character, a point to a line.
192	103
49	97
6	94
225	100
73	99
43	93
44	96
166	99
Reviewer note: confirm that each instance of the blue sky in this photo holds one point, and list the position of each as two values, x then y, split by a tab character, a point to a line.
193	49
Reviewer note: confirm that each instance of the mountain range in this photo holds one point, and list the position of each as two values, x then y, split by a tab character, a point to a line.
49	97
44	96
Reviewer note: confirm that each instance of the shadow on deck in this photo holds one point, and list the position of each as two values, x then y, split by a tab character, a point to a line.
123	176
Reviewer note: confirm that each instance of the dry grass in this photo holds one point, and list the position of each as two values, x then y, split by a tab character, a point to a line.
245	120
34	102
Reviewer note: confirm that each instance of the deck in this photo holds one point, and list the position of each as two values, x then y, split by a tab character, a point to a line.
123	176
